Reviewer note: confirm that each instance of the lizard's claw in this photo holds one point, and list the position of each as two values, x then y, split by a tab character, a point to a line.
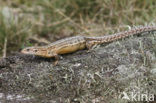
56	60
55	63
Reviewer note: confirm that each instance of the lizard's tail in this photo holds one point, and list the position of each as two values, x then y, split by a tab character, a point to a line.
123	34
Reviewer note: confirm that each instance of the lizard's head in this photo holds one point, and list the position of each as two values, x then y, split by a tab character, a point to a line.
38	51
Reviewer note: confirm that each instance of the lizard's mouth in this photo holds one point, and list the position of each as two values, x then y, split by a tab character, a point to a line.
35	51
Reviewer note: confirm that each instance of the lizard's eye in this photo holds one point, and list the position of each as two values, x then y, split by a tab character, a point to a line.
35	50
27	49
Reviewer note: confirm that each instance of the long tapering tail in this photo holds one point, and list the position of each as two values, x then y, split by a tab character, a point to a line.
123	34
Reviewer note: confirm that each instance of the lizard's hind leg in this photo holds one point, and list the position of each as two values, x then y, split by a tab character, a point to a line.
56	60
91	45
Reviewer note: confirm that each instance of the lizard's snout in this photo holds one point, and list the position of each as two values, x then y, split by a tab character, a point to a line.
27	51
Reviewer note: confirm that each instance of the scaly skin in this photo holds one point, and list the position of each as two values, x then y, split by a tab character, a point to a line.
72	44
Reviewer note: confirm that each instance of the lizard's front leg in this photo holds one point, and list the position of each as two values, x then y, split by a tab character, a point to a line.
55	55
56	59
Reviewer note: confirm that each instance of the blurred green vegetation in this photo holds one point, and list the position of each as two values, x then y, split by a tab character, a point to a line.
54	19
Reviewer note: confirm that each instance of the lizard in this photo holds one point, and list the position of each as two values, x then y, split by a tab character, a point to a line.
73	44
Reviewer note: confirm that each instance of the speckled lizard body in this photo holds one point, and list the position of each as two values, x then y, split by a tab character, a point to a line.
73	44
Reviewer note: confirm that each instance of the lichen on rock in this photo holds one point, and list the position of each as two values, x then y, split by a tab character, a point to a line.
83	77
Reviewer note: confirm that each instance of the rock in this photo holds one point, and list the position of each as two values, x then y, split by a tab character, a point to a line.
98	75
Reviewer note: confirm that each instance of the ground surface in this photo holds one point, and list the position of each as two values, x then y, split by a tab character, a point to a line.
98	76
